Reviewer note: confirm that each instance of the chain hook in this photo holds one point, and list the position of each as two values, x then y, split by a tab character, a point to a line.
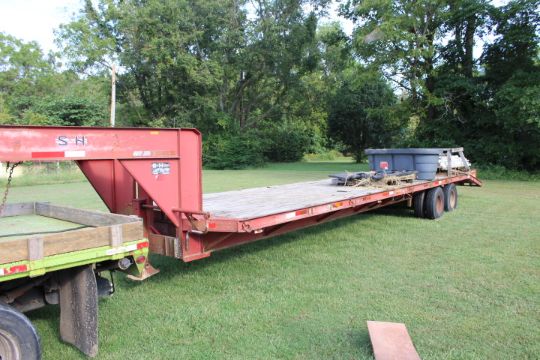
10	168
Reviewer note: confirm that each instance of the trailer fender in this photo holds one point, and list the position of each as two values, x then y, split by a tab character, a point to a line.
18	337
79	309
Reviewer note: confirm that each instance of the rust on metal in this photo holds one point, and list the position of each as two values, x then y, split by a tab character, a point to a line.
391	341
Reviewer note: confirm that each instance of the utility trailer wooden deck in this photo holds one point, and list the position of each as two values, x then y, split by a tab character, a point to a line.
88	230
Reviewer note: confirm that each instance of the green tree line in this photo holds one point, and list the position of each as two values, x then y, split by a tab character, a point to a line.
271	80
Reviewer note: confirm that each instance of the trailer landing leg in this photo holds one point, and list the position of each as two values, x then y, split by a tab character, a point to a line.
147	272
79	309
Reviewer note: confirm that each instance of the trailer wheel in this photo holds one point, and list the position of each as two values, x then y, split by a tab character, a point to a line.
434	203
18	337
419	204
450	197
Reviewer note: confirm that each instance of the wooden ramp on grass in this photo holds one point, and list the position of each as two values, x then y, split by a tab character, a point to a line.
391	341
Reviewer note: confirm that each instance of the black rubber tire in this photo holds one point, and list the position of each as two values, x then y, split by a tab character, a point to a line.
434	203
18	337
419	204
450	197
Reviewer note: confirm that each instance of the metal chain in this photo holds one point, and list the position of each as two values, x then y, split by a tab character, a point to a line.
9	169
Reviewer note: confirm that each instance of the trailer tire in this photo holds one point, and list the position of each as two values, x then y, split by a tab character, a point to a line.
450	197
419	204
434	203
18	337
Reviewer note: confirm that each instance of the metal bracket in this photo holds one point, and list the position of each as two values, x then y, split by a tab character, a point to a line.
198	226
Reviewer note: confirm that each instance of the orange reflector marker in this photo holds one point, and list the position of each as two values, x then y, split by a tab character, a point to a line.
337	204
154	132
13	270
301	212
212	225
143	245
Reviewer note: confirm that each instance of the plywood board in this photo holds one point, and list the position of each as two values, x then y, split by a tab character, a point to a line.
391	341
17	225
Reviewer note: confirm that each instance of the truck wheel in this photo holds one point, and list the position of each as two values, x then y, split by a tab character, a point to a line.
450	197
418	204
18	337
434	203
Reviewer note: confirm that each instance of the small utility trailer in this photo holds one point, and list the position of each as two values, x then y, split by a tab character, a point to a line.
61	267
156	174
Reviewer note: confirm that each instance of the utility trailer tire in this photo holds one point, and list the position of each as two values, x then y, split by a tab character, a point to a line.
18	337
434	203
419	204
450	197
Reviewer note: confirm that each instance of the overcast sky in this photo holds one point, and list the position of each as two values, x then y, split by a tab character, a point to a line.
36	20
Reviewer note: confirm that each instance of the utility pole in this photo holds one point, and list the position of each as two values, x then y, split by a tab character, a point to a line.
113	96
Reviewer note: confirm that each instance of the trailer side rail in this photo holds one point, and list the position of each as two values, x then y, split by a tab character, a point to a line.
136	249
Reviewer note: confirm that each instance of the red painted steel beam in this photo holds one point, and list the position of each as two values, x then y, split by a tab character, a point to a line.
126	166
27	143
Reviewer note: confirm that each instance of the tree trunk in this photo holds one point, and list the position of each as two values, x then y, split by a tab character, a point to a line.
468	61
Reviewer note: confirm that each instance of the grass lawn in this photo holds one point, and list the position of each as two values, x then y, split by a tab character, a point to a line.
467	286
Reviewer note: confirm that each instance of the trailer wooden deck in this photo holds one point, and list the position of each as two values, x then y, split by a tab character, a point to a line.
263	201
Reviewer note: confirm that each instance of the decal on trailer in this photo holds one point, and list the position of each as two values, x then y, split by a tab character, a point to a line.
75	154
121	249
59	154
142	153
76	140
161	168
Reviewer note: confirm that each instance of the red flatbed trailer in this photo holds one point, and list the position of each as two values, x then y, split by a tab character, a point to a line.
157	175
237	217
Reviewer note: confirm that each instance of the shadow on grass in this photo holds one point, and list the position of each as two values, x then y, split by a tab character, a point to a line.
50	315
170	267
360	339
